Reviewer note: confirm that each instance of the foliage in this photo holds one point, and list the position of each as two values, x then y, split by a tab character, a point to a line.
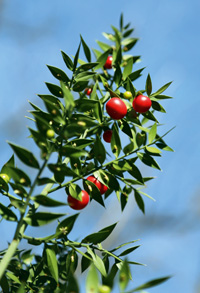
72	127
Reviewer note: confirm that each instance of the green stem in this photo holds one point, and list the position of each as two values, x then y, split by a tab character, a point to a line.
7	257
21	226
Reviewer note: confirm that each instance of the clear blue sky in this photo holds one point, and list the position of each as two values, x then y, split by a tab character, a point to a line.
33	32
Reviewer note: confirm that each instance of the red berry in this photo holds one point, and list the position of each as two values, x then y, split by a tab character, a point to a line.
116	108
108	64
107	135
78	204
141	104
102	188
88	91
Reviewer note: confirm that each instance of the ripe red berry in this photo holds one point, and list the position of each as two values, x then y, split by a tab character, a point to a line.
116	108
108	64
102	188
141	104
107	135
78	204
88	91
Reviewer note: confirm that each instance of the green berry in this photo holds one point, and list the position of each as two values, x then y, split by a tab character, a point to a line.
50	133
104	289
127	95
5	177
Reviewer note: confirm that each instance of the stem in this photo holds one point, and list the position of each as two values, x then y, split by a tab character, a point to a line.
21	226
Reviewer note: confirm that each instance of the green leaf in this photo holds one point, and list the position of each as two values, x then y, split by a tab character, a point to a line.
47	201
162	89
84	76
150	284
121	22
93	191
25	156
99	264
125	127
148	160
152	150
135	172
46	281
160	97
152	133
76	57
149	115
9	163
148	86
129	250
129	43
99	236
92	281
58	73
68	97
139	201
130	87
124	276
73	152
13	277
115	141
41	218
7	213
136	74
87	66
54	89
67	60
52	263
75	191
85	262
67	224
72	284
86	50
164	147
128	33
103	46
108	179
4	284
19	176
99	150
128	68
102	59
141	192
158	107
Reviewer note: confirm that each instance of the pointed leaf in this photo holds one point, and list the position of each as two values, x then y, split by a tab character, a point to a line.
115	141
86	50
54	89
52	263
7	213
58	73
99	150
67	60
92	281
148	160
150	284
25	155
47	201
67	224
148	85
128	68
99	236
162	89
152	133
41	218
139	201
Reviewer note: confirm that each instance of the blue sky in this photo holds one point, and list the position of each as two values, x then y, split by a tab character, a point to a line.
32	33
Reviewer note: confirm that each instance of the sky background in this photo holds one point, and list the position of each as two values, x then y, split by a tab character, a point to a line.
33	32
